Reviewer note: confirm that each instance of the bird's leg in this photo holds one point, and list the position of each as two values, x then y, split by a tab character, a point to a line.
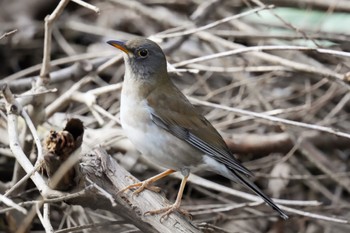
146	184
174	207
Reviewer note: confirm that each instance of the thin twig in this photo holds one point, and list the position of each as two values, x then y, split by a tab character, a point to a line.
271	48
90	226
9	202
206	183
7	34
213	24
46	219
49	20
34	133
14	110
88	6
272	118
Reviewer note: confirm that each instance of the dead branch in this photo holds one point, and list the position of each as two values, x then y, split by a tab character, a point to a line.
103	171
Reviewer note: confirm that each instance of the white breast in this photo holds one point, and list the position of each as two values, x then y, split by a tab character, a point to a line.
156	144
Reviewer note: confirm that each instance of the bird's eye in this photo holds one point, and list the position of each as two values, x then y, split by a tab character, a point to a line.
143	52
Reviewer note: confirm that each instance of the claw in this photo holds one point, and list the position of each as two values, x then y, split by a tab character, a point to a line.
168	210
142	186
146	184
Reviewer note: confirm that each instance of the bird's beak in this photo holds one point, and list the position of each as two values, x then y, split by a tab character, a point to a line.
119	45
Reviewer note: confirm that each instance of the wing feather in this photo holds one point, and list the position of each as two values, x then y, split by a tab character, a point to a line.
182	120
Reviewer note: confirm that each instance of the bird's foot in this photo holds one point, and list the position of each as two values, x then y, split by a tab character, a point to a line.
166	211
146	184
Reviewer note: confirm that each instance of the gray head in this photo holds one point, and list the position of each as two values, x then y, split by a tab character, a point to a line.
143	58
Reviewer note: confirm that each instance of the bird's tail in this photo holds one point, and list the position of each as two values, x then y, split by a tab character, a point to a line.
248	183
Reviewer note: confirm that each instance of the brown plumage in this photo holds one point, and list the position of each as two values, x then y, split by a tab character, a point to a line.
166	128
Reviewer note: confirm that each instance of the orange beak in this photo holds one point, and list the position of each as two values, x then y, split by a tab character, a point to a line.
119	45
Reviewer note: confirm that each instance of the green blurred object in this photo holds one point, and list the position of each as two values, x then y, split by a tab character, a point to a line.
311	22
308	20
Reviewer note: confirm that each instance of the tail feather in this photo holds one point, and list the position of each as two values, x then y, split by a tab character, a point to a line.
248	183
235	175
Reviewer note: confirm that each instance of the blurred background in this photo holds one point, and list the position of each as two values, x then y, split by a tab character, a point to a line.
225	55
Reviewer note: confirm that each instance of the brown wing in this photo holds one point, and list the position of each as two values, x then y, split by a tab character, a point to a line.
171	111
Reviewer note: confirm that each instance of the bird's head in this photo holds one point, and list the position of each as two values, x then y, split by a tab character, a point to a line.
144	59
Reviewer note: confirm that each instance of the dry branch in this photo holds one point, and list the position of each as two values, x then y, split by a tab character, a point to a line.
102	170
272	106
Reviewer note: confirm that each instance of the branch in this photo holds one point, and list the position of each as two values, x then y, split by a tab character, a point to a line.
13	111
106	173
273	118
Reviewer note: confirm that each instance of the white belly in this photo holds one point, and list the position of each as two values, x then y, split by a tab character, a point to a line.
156	144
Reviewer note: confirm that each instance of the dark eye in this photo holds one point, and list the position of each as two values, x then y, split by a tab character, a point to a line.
143	52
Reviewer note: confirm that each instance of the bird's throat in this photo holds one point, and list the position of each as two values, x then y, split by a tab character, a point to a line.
136	89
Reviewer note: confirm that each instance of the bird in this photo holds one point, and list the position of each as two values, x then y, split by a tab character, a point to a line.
167	129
